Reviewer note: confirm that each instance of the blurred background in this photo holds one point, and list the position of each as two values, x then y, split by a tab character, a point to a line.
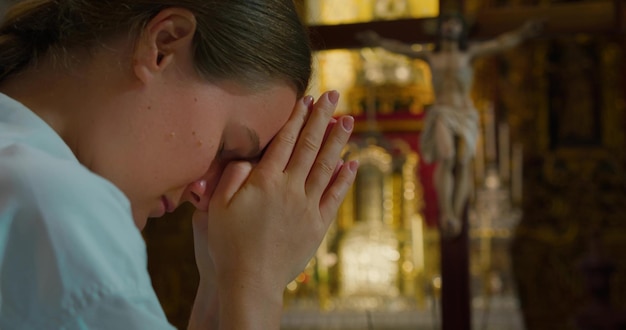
545	232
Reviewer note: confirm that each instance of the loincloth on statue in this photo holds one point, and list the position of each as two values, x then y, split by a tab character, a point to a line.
463	123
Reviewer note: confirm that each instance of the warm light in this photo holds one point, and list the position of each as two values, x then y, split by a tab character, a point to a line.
344	69
437	282
292	286
325	12
334	69
369	263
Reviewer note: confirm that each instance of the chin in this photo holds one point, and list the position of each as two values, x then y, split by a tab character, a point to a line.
140	219
141	223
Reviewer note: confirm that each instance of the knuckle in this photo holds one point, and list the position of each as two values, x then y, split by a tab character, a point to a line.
325	167
310	143
335	197
325	109
328	110
334	145
287	138
340	138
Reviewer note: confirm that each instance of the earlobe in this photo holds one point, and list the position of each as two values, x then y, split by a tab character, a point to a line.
144	61
167	35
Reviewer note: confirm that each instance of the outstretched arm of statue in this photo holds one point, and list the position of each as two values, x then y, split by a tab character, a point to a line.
507	40
373	39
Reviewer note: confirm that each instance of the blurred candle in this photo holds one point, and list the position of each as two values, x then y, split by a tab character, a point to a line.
517	176
503	152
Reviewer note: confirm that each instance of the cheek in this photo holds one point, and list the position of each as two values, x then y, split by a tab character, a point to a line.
186	155
196	156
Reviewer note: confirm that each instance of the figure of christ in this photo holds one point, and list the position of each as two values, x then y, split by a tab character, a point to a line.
451	124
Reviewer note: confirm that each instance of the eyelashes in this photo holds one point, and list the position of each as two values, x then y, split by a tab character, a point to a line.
226	155
220	151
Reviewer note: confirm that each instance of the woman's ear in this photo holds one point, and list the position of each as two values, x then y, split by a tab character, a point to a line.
166	37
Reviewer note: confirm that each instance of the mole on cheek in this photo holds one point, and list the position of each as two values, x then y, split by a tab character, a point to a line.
198	141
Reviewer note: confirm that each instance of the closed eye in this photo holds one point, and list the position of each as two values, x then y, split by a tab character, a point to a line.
235	155
244	147
220	151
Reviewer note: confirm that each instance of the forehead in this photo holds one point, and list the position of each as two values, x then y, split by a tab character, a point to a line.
262	112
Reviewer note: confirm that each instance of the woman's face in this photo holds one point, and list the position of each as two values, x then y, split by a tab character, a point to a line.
163	134
176	143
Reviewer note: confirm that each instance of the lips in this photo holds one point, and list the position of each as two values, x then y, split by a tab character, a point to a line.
169	206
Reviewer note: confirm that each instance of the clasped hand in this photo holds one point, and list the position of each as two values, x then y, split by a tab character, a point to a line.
266	221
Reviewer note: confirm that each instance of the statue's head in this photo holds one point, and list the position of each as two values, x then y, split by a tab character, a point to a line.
452	27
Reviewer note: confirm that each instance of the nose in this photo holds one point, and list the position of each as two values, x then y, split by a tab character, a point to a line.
200	191
197	194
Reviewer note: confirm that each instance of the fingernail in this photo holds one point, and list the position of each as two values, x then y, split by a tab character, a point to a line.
333	97
353	165
347	123
308	100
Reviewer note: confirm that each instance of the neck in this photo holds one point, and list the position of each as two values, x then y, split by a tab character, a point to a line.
67	97
42	89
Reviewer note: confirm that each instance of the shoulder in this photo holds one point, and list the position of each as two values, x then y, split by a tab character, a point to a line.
67	190
67	237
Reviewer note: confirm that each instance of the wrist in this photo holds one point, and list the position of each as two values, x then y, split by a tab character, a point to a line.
250	303
205	311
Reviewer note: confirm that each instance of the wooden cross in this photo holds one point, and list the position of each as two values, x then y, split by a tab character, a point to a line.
606	17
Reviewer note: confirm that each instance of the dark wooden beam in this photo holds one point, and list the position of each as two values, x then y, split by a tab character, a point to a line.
343	36
567	18
455	280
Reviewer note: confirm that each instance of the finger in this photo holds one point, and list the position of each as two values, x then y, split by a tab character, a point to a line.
337	169
232	179
199	221
329	128
335	173
326	161
200	225
336	192
280	149
311	137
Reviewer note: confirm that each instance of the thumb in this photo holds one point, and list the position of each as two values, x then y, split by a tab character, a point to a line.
233	177
200	223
